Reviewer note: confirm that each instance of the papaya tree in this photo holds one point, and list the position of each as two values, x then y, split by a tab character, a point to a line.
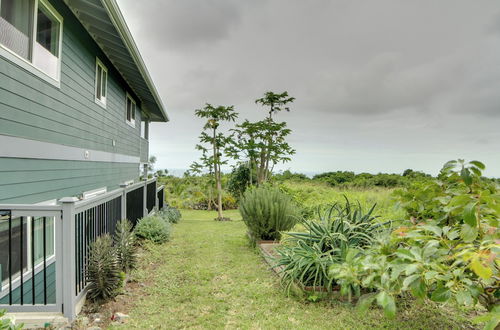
212	143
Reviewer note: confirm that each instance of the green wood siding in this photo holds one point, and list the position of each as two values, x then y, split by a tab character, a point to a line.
36	180
39	296
32	108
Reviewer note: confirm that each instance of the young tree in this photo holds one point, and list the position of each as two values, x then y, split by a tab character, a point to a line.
277	149
263	143
216	141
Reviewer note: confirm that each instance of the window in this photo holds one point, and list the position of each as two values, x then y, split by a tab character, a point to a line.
27	235
130	111
32	30
101	82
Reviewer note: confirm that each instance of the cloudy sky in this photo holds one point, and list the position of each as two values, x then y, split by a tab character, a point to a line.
380	86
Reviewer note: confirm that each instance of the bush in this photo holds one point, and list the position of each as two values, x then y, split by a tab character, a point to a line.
153	228
124	242
103	271
267	212
171	214
447	251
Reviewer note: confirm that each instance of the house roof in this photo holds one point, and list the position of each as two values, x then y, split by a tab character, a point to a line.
105	23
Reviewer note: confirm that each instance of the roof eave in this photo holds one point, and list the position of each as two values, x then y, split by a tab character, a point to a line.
122	28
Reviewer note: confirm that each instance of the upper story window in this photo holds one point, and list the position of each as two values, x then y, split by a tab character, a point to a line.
101	82
32	30
130	111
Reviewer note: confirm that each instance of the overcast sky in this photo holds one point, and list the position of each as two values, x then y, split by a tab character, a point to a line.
380	86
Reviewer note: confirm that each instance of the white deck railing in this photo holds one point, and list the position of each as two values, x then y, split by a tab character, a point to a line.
56	282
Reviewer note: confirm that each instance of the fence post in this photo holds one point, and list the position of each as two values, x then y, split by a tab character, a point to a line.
145	199
68	256
124	201
156	207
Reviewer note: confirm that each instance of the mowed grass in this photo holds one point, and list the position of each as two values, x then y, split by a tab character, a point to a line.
208	277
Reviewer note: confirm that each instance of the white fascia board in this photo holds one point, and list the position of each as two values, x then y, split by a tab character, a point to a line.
16	147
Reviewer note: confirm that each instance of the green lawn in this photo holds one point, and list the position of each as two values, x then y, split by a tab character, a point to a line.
208	277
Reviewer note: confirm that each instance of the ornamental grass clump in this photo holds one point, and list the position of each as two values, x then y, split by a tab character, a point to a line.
103	270
267	212
153	228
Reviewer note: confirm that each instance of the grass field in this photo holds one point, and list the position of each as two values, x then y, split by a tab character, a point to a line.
208	277
314	194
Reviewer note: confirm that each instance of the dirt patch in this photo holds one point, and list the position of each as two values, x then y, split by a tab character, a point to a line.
124	302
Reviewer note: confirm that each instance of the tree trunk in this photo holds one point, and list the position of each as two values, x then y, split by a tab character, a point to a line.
217	176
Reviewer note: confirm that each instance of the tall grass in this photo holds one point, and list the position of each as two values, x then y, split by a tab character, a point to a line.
314	195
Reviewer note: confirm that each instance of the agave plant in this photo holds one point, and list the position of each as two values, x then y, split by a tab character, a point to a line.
341	227
304	264
103	271
124	241
325	242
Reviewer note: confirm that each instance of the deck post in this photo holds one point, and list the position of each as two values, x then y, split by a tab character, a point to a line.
145	199
124	201
68	256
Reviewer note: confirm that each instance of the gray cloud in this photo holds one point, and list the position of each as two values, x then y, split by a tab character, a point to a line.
416	81
186	24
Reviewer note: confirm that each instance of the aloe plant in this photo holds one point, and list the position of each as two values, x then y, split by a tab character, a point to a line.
326	242
340	227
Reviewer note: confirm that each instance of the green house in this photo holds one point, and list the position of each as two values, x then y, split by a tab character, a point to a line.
76	101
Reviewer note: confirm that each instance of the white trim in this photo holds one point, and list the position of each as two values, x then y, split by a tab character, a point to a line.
130	122
102	100
95	192
60	20
16	147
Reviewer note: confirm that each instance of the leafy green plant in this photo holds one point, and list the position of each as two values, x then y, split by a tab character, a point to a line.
103	270
267	212
153	228
6	324
444	253
124	242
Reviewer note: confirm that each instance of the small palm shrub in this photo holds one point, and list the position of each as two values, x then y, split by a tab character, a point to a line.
103	271
267	212
172	214
124	242
153	228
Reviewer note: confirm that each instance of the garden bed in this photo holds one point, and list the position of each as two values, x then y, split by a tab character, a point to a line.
268	252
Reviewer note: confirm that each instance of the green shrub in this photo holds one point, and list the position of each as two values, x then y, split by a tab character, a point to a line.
267	212
447	251
103	271
153	228
124	242
171	214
